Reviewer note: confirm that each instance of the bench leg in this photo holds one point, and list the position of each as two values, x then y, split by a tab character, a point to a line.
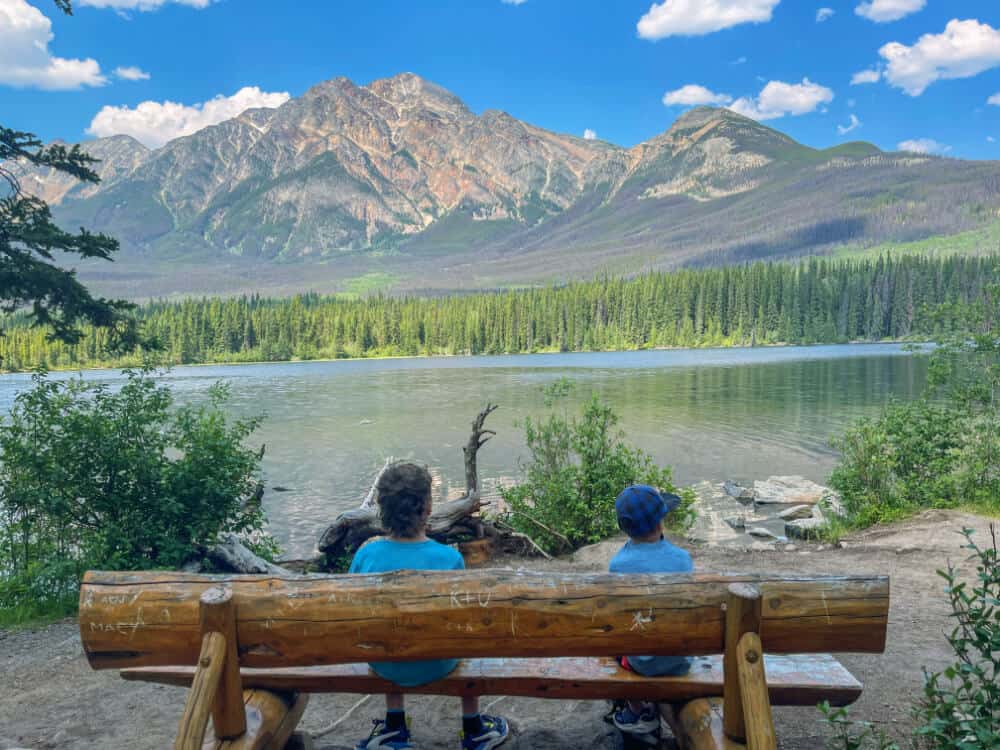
700	726
271	720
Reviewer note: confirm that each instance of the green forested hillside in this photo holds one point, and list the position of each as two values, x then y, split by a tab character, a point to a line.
763	303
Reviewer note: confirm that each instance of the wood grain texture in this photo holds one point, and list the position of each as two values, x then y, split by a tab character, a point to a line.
792	680
204	686
218	615
701	727
271	720
151	618
742	616
753	690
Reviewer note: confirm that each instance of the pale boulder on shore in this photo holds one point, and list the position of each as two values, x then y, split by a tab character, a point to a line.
790	490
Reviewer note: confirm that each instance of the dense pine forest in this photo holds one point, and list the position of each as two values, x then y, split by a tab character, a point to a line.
817	301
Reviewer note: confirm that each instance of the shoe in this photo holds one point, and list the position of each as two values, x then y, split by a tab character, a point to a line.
382	736
629	722
495	732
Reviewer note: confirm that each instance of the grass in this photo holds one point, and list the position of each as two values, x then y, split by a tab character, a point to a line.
36	614
979	241
374	281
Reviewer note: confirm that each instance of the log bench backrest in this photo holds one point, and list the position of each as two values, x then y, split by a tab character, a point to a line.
152	618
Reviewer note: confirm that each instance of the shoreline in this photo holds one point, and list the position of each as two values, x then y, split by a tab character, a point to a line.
544	352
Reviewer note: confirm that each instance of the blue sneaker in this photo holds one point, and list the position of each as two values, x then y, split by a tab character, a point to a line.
495	732
382	736
629	722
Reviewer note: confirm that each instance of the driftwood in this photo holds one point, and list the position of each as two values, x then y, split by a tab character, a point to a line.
232	556
449	522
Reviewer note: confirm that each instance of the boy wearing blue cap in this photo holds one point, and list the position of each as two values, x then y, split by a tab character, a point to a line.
641	510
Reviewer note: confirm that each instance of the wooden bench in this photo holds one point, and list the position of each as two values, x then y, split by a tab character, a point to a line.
253	647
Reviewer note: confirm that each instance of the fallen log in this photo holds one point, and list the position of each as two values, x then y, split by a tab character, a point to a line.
449	523
232	556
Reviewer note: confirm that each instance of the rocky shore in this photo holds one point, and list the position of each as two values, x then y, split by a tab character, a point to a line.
766	514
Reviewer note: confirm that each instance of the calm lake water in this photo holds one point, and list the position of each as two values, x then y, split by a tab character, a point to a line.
711	414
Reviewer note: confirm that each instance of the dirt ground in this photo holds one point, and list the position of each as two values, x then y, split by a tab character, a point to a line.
52	699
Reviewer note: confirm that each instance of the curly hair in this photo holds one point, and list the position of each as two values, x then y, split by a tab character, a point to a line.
404	493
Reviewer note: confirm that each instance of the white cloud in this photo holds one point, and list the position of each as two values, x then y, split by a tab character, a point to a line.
923	146
740	60
854	125
963	50
866	76
697	17
693	95
883	11
990	139
155	123
852	103
994	100
131	73
513	2
824	14
778	99
589	135
142	5
25	59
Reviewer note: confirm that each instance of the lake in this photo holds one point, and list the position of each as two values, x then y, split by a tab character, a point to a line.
710	413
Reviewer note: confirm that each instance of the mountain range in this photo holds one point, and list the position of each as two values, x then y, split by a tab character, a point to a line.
398	184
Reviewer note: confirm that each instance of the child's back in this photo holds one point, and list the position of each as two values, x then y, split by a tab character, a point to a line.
651	557
640	511
388	556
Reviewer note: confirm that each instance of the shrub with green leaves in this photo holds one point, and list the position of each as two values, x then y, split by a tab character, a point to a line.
943	450
577	468
960	707
101	476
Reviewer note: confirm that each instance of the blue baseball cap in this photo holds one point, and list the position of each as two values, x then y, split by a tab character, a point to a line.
640	509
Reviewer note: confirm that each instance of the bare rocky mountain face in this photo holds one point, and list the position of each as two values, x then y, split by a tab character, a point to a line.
400	180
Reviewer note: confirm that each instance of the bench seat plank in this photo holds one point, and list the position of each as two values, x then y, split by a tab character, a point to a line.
796	680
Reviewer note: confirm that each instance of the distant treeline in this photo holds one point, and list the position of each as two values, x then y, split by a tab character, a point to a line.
817	301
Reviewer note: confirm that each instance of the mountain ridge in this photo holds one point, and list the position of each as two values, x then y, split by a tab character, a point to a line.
400	177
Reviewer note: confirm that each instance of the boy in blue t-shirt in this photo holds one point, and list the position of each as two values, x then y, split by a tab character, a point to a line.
404	501
641	510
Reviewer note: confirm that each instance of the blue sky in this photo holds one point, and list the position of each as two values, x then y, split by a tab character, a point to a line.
566	65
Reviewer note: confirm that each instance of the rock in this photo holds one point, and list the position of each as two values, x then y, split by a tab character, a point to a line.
832	504
598	556
761	533
790	548
737	522
738	491
796	512
712	506
804	528
792	490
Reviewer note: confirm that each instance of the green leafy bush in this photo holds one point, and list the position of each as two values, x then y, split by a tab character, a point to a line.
899	462
577	468
943	450
960	707
115	477
854	735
